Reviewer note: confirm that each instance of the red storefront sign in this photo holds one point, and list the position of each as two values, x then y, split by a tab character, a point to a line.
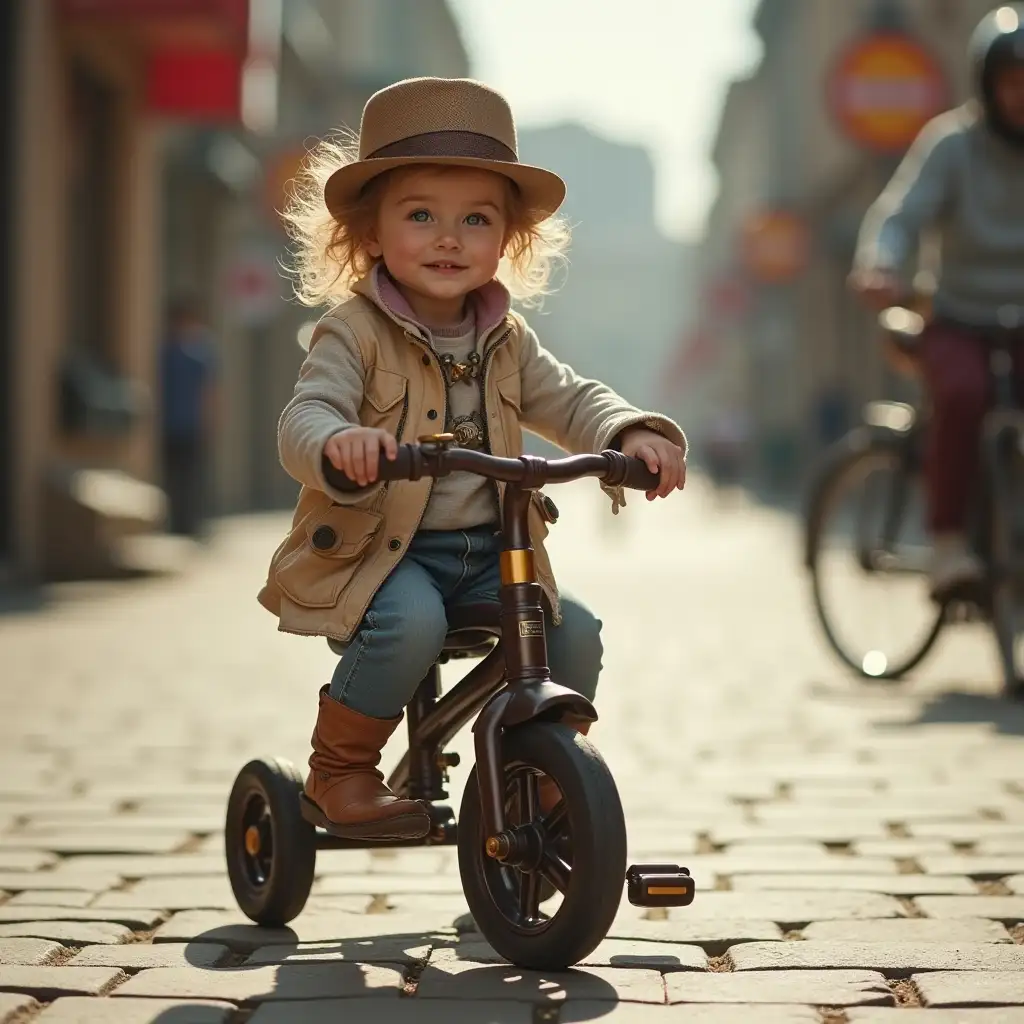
194	50
884	89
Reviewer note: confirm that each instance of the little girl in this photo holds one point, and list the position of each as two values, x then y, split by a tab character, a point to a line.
405	238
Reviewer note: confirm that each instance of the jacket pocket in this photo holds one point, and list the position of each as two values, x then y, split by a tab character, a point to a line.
383	404
327	557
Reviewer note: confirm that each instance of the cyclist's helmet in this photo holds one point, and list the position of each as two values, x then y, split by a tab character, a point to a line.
997	42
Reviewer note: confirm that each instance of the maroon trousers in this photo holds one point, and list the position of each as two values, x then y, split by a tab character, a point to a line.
955	366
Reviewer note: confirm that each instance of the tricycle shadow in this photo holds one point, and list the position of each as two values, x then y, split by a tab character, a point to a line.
389	979
963	707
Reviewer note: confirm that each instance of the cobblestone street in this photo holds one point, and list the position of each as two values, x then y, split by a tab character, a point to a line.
858	849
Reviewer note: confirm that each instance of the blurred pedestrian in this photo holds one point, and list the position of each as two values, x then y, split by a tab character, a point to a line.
188	379
962	178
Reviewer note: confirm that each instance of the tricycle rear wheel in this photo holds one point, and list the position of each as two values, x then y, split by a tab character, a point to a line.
579	847
270	847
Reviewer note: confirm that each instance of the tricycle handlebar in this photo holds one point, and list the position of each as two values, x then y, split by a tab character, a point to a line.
432	459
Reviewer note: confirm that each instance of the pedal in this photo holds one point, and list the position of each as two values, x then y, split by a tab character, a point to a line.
659	885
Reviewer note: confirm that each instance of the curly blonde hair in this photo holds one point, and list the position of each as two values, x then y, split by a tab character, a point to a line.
328	253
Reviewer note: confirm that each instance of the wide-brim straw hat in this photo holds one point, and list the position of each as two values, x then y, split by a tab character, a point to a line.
450	121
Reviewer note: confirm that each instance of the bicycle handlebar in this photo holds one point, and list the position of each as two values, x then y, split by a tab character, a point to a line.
418	460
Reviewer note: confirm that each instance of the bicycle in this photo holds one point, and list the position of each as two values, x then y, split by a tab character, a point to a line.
878	464
511	856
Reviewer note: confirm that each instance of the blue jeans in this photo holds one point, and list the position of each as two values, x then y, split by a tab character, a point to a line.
404	628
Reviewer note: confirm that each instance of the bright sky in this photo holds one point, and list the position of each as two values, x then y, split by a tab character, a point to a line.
652	72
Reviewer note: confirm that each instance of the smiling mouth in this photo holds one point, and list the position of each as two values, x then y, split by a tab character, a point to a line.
445	266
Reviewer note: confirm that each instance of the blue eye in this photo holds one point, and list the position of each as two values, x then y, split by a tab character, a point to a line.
477	219
420	216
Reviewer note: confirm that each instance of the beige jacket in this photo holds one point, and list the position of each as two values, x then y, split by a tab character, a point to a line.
370	363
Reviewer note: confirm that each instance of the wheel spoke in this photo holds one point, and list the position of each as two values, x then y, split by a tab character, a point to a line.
529	896
555	870
526	792
555	821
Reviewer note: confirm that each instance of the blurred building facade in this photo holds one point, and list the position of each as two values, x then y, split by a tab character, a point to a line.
151	140
625	294
791	344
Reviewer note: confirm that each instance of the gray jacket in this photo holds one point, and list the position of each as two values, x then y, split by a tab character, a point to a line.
968	184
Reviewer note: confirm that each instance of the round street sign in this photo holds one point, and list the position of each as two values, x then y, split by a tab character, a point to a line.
775	246
883	89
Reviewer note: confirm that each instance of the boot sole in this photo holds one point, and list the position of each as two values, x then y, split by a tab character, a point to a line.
404	826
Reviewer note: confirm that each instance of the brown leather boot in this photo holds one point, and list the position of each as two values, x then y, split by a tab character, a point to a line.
344	784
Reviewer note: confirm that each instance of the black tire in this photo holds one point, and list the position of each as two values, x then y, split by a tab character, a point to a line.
1007	488
848	466
272	876
589	818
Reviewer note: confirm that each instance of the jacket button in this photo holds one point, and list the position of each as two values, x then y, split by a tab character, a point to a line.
431	414
426	360
324	538
394	543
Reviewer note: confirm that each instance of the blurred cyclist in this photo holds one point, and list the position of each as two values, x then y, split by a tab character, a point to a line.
964	179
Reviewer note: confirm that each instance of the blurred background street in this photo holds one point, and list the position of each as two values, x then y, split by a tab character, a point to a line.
719	157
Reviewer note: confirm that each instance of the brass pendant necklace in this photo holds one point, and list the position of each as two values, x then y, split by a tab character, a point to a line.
467	372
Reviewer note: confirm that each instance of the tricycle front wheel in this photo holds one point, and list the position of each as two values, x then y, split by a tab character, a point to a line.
579	847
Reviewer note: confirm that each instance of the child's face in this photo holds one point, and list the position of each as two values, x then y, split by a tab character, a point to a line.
441	231
1008	87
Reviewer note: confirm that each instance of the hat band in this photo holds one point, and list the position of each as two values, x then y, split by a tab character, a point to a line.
471	145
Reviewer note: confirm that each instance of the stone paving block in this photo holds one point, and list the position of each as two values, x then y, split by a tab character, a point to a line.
385	949
1015	883
12	1005
713	936
794	908
372	885
1008	909
455	979
749	859
909	930
993	1015
52	982
960	988
67	879
871	812
70	933
902	848
967	832
140	955
892	885
444	907
26	860
976	866
99	842
661	956
821	832
258	984
584	1012
76	1010
401	1011
28	952
188	893
41	821
1000	847
239	933
52	898
892	959
136	917
135	866
817	988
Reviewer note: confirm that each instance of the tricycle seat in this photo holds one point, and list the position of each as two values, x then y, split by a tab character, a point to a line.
472	629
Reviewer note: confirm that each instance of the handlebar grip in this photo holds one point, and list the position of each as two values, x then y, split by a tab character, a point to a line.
399	468
625	471
639	477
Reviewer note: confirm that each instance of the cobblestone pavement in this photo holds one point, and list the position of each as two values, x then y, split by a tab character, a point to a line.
859	851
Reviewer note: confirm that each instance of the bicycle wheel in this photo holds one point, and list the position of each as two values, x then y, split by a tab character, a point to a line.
579	847
1007	489
867	553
